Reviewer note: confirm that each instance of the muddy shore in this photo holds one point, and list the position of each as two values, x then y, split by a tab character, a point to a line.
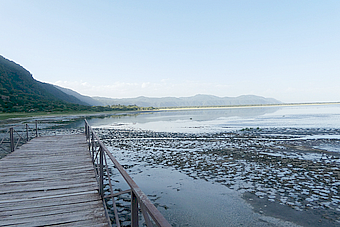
287	173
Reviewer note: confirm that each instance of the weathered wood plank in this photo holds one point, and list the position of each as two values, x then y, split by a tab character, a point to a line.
45	169
95	215
34	187
44	194
40	183
53	175
52	210
50	181
47	202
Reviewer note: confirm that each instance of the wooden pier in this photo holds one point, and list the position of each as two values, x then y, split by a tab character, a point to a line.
50	181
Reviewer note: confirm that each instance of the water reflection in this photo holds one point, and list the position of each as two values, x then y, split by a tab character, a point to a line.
192	121
227	119
194	114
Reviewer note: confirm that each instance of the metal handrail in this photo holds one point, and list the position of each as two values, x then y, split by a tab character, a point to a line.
20	135
98	153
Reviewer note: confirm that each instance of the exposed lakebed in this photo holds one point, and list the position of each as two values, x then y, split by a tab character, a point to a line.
263	166
279	172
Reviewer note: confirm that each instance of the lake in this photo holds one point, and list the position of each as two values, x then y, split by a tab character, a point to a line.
228	119
251	166
248	166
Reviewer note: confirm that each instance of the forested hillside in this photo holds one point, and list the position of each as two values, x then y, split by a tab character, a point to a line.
20	92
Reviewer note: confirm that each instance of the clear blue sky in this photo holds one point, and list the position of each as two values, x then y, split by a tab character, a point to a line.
288	50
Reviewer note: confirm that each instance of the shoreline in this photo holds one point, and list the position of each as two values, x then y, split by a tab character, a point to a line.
23	115
245	106
6	118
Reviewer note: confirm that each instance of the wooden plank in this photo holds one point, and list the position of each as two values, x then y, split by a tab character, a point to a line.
47	202
43	194
50	181
34	187
44	211
95	215
43	169
25	176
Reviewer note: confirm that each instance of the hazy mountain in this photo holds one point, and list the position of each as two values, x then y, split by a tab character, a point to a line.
19	91
197	100
86	99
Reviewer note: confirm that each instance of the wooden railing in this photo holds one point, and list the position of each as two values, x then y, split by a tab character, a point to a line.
139	201
17	137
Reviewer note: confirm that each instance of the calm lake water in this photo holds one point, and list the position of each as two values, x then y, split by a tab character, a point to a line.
228	119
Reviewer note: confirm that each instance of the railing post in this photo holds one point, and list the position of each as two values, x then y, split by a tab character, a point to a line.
87	134
36	128
27	132
101	172
89	131
92	143
88	138
85	129
134	210
11	137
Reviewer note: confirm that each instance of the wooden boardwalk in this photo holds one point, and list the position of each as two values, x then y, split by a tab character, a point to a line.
50	181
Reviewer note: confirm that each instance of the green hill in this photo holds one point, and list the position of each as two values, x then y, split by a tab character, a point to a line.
19	92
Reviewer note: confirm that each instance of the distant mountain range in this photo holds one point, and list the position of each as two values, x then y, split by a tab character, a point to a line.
19	91
197	100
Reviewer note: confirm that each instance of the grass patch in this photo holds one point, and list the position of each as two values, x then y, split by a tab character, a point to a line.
7	116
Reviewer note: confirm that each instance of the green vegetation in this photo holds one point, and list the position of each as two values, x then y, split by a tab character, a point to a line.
12	115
